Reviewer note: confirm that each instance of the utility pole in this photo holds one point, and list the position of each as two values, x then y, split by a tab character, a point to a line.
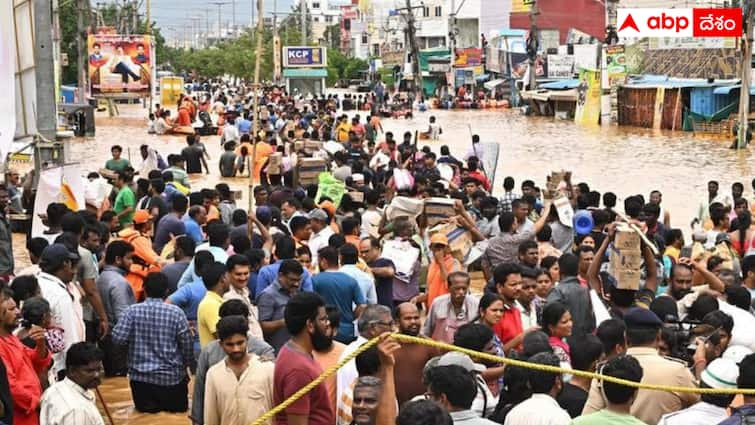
532	45
219	4
452	38
233	11
744	93
303	10
257	91
82	6
411	34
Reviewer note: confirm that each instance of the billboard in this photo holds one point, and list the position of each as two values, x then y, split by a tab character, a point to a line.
120	64
304	57
468	57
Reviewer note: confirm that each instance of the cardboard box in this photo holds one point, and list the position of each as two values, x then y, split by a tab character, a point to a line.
459	240
274	163
626	268
357	196
626	239
438	209
310	169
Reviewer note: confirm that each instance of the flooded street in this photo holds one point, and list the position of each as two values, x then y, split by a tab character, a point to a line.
626	161
623	160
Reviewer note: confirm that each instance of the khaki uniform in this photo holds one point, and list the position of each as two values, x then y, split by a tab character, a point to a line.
650	405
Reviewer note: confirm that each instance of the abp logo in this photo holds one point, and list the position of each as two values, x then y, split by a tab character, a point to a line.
679	22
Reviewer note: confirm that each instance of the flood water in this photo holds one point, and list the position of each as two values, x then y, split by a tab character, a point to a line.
626	161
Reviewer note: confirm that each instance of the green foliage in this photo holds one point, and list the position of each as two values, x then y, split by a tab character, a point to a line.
342	67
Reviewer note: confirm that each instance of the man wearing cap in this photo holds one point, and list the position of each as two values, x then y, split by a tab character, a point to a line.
58	266
321	231
744	414
720	374
442	265
144	256
643	336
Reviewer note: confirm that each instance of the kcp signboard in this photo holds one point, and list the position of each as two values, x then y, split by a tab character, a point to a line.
304	57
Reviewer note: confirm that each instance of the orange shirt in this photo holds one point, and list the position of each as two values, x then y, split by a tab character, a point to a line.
436	286
184	117
326	361
264	150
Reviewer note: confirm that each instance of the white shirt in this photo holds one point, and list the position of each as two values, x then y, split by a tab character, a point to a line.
238	401
319	241
370	224
345	379
66	310
67	403
701	413
540	409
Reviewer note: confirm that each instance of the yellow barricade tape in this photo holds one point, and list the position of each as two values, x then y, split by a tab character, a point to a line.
485	356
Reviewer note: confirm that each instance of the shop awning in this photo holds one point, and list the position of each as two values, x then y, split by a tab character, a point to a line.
490	85
305	73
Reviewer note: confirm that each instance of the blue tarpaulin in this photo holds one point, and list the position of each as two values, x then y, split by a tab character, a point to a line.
560	85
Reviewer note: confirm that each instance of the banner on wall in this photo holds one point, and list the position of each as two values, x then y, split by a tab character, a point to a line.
58	184
616	64
588	97
7	79
468	57
120	64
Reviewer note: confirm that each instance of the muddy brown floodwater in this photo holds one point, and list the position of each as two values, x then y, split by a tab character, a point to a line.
623	160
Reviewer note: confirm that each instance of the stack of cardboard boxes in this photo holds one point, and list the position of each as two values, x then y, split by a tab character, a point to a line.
626	258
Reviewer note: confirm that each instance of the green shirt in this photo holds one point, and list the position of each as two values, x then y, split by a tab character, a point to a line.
606	417
124	200
117	164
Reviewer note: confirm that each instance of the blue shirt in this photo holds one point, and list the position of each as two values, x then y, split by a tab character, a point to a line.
188	297
269	274
193	229
244	126
737	414
343	291
169	224
272	306
189	275
159	342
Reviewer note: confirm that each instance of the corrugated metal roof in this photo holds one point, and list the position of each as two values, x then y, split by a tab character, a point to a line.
728	89
655	81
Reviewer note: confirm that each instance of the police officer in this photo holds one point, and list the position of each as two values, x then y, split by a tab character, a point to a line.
643	336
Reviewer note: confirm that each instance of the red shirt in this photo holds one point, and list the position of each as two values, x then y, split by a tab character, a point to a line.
510	325
482	179
22	365
293	370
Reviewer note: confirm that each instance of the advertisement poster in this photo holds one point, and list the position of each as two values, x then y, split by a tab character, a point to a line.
588	97
7	79
560	66
616	64
120	64
304	56
468	57
520	62
521	6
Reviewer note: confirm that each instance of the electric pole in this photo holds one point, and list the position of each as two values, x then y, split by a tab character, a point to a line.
303	11
452	37
257	91
233	11
219	4
82	6
411	34
744	93
532	45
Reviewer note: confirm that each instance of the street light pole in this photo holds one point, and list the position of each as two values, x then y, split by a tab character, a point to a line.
255	106
744	93
219	4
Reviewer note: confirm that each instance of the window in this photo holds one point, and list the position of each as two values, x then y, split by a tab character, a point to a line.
316	19
315	5
438	11
364	38
425	11
328	19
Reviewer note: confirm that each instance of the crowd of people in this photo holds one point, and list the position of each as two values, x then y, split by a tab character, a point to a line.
164	282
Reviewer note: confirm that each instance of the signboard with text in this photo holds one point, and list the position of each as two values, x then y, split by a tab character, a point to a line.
560	66
468	57
304	57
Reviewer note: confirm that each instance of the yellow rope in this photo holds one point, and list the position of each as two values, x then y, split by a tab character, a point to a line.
485	356
309	387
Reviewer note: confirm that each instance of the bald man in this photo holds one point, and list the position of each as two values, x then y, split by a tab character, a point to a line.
410	358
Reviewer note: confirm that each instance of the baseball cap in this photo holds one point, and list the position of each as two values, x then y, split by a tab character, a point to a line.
142	216
455	358
721	374
736	353
329	207
439	239
318	214
637	317
54	255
